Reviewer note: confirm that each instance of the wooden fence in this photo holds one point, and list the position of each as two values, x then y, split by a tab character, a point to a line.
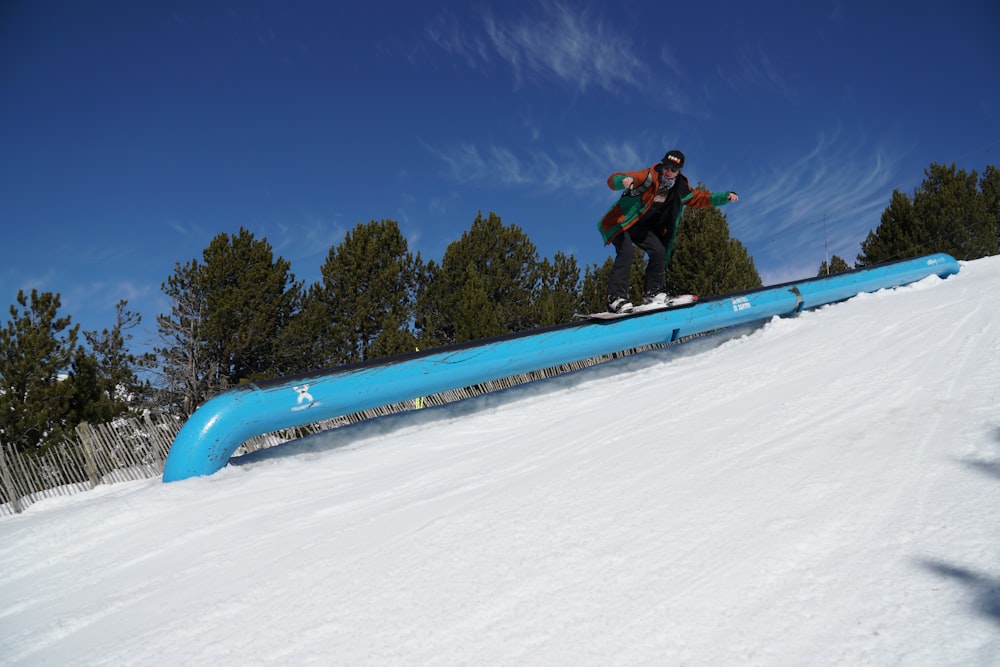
132	449
125	450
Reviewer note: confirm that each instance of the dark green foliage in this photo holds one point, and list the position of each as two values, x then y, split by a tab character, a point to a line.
837	265
707	261
989	184
183	357
474	314
486	285
947	213
899	234
304	344
37	349
51	384
89	400
362	309
249	297
952	206
117	367
558	298
238	315
226	319
595	286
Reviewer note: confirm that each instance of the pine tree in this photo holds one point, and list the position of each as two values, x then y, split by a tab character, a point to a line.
89	400
183	357
226	319
474	314
486	285
250	298
37	349
837	265
989	185
707	261
595	286
117	367
899	234
947	213
367	296
306	343
558	298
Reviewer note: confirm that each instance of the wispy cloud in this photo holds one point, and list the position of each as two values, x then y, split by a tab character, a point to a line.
754	70
567	44
469	163
498	165
447	33
608	155
557	42
185	229
827	199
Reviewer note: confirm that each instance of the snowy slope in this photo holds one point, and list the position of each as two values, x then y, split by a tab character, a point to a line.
822	491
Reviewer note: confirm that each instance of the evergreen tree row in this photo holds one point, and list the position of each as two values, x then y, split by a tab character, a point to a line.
239	315
50	381
952	211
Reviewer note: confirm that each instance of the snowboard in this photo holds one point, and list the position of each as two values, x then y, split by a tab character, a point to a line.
674	302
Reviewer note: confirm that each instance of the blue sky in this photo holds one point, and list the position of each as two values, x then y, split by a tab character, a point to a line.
132	133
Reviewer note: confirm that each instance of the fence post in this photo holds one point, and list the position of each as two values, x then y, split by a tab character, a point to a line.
8	483
85	433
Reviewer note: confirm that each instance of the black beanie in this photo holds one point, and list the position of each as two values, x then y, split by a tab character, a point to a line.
673	158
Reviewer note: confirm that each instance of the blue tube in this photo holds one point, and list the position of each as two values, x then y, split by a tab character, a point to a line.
837	287
208	439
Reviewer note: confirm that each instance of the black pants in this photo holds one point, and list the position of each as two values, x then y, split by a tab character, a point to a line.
625	250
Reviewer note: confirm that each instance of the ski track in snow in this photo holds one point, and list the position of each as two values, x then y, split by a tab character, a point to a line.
820	490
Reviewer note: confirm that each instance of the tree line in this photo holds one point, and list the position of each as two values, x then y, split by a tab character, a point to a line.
238	314
952	211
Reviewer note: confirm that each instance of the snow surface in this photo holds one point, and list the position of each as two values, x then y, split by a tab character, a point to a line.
820	490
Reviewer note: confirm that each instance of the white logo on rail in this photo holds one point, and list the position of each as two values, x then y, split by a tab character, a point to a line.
740	303
304	397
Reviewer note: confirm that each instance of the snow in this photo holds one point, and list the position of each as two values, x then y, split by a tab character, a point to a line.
819	490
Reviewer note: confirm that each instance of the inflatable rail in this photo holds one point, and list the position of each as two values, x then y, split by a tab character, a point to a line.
208	439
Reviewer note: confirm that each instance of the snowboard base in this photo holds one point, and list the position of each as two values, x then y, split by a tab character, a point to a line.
674	302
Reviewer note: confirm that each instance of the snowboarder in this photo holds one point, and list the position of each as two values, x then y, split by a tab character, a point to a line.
648	215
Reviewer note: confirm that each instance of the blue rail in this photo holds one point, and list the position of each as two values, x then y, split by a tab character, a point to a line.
208	439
